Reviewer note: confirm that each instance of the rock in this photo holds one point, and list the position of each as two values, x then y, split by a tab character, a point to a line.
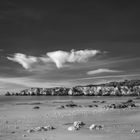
127	104
41	128
95	101
78	124
90	106
134	131
73	128
96	127
24	135
61	107
95	105
102	102
48	127
71	105
36	107
38	129
31	130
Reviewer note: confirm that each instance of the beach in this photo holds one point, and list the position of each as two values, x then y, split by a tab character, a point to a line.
20	114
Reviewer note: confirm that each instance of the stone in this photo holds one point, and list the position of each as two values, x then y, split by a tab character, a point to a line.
31	130
61	107
48	127
72	128
134	131
24	135
96	127
78	123
36	107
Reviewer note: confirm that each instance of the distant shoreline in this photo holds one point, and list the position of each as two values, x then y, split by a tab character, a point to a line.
124	88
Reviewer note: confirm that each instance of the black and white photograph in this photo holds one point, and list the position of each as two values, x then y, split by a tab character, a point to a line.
69	70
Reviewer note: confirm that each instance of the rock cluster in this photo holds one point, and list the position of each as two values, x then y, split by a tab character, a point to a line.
129	103
42	128
76	126
125	88
96	127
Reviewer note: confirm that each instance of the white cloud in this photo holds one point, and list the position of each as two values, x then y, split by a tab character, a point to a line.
58	57
62	57
98	71
25	61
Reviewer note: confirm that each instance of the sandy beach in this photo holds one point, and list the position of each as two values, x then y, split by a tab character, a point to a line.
17	117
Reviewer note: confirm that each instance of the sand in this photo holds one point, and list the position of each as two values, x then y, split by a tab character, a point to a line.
18	117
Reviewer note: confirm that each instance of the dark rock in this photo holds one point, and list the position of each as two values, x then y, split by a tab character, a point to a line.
129	103
90	106
103	102
95	101
36	107
61	107
71	105
95	105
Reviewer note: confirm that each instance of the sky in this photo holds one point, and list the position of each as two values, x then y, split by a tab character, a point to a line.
67	43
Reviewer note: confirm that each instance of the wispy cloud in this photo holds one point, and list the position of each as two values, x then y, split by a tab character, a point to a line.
60	58
98	71
125	76
25	61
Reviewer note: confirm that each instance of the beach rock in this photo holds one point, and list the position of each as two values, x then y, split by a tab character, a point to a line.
90	106
96	127
127	104
72	105
102	102
31	130
24	135
41	128
95	106
78	124
36	107
134	131
95	101
48	128
38	129
73	128
61	107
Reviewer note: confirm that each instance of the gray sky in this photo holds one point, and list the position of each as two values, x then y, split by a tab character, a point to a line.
66	43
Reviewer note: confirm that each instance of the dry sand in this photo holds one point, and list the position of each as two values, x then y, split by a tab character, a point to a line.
17	118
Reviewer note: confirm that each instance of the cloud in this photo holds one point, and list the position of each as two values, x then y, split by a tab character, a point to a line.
57	57
25	61
62	57
98	71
